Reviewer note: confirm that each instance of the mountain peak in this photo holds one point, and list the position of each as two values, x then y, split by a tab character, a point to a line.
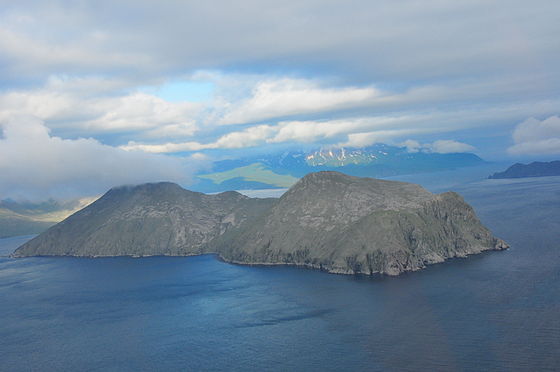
151	186
327	175
321	181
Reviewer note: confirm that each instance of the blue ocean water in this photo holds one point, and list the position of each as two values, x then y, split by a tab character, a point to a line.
495	311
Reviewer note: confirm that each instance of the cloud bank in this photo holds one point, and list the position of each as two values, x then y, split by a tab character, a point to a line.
83	107
286	97
34	164
373	40
537	137
438	147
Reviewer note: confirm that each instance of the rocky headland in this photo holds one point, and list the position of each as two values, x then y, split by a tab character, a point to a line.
327	220
534	169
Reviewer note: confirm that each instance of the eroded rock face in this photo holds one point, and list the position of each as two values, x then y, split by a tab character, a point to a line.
328	220
150	219
351	225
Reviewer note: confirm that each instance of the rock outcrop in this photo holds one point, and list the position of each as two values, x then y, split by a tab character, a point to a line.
349	225
327	220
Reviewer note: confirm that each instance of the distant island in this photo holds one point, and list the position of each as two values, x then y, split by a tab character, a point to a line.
327	220
535	169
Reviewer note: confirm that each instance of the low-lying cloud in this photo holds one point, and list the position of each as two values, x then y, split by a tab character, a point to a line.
354	132
438	147
36	165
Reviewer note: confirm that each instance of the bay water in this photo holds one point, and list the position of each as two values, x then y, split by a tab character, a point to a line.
494	311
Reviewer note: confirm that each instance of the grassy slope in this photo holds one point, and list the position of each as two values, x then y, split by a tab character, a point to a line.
256	172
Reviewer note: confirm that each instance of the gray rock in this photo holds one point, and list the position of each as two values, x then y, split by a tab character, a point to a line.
351	225
146	220
328	220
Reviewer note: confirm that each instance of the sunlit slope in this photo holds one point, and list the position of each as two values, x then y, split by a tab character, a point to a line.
19	218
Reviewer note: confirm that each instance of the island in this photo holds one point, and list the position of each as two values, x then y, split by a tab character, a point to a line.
535	169
327	221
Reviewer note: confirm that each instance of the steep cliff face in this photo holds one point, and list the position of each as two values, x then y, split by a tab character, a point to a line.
150	219
349	225
328	220
392	242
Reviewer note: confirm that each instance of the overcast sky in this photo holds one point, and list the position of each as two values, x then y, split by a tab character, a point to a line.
98	93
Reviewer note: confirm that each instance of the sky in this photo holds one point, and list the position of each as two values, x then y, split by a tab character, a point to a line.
95	94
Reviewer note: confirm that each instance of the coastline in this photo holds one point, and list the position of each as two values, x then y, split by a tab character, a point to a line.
322	268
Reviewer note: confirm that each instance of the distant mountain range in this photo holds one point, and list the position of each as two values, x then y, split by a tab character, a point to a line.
283	170
535	169
327	220
25	218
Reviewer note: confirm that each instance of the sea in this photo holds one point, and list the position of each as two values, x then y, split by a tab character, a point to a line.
496	311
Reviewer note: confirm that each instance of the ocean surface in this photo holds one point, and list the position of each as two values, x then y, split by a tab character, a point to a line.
496	311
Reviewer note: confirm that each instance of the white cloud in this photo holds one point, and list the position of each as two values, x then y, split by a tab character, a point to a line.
88	106
537	137
286	97
412	145
360	131
32	54
95	106
140	111
439	146
315	131
413	39
352	132
83	106
549	146
34	164
364	139
169	147
249	137
291	131
450	146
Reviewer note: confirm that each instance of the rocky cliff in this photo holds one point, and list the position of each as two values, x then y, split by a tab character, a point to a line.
349	225
145	220
328	220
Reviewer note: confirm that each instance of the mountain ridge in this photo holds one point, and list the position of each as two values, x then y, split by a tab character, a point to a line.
327	220
282	170
534	169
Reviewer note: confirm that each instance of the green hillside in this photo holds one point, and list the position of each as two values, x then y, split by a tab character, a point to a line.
255	172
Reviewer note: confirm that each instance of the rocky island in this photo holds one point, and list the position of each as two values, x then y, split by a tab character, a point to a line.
534	169
327	220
